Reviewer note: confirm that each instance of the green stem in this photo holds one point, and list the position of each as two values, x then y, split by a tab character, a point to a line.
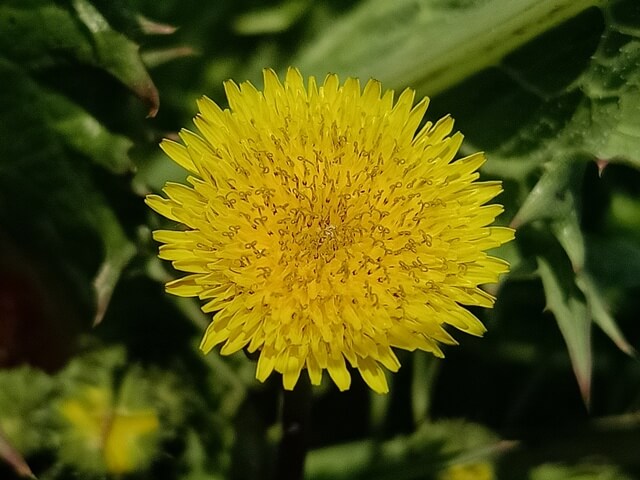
296	410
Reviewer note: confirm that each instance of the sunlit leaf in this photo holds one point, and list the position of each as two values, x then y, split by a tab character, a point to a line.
428	44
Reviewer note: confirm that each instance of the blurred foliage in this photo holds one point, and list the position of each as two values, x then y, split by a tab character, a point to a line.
549	89
586	472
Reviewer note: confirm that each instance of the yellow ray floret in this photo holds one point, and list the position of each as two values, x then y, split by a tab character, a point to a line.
324	227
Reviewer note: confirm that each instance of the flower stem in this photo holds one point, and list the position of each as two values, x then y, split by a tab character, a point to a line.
296	409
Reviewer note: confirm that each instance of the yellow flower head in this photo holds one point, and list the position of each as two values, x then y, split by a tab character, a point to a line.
100	437
322	226
469	471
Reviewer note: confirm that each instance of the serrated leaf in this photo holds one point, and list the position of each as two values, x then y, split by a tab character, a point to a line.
604	120
600	312
552	197
569	234
609	117
556	199
572	316
587	110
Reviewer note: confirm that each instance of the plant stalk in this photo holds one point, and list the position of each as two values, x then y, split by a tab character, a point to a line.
296	414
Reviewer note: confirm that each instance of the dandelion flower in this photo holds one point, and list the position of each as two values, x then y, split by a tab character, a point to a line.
100	437
469	471
323	227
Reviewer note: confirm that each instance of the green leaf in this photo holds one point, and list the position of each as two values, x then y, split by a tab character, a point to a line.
602	126
31	109
52	35
196	458
118	55
430	44
45	182
25	417
600	312
567	231
118	251
53	150
433	45
431	448
556	198
608	117
550	471
571	313
553	196
593	114
270	19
